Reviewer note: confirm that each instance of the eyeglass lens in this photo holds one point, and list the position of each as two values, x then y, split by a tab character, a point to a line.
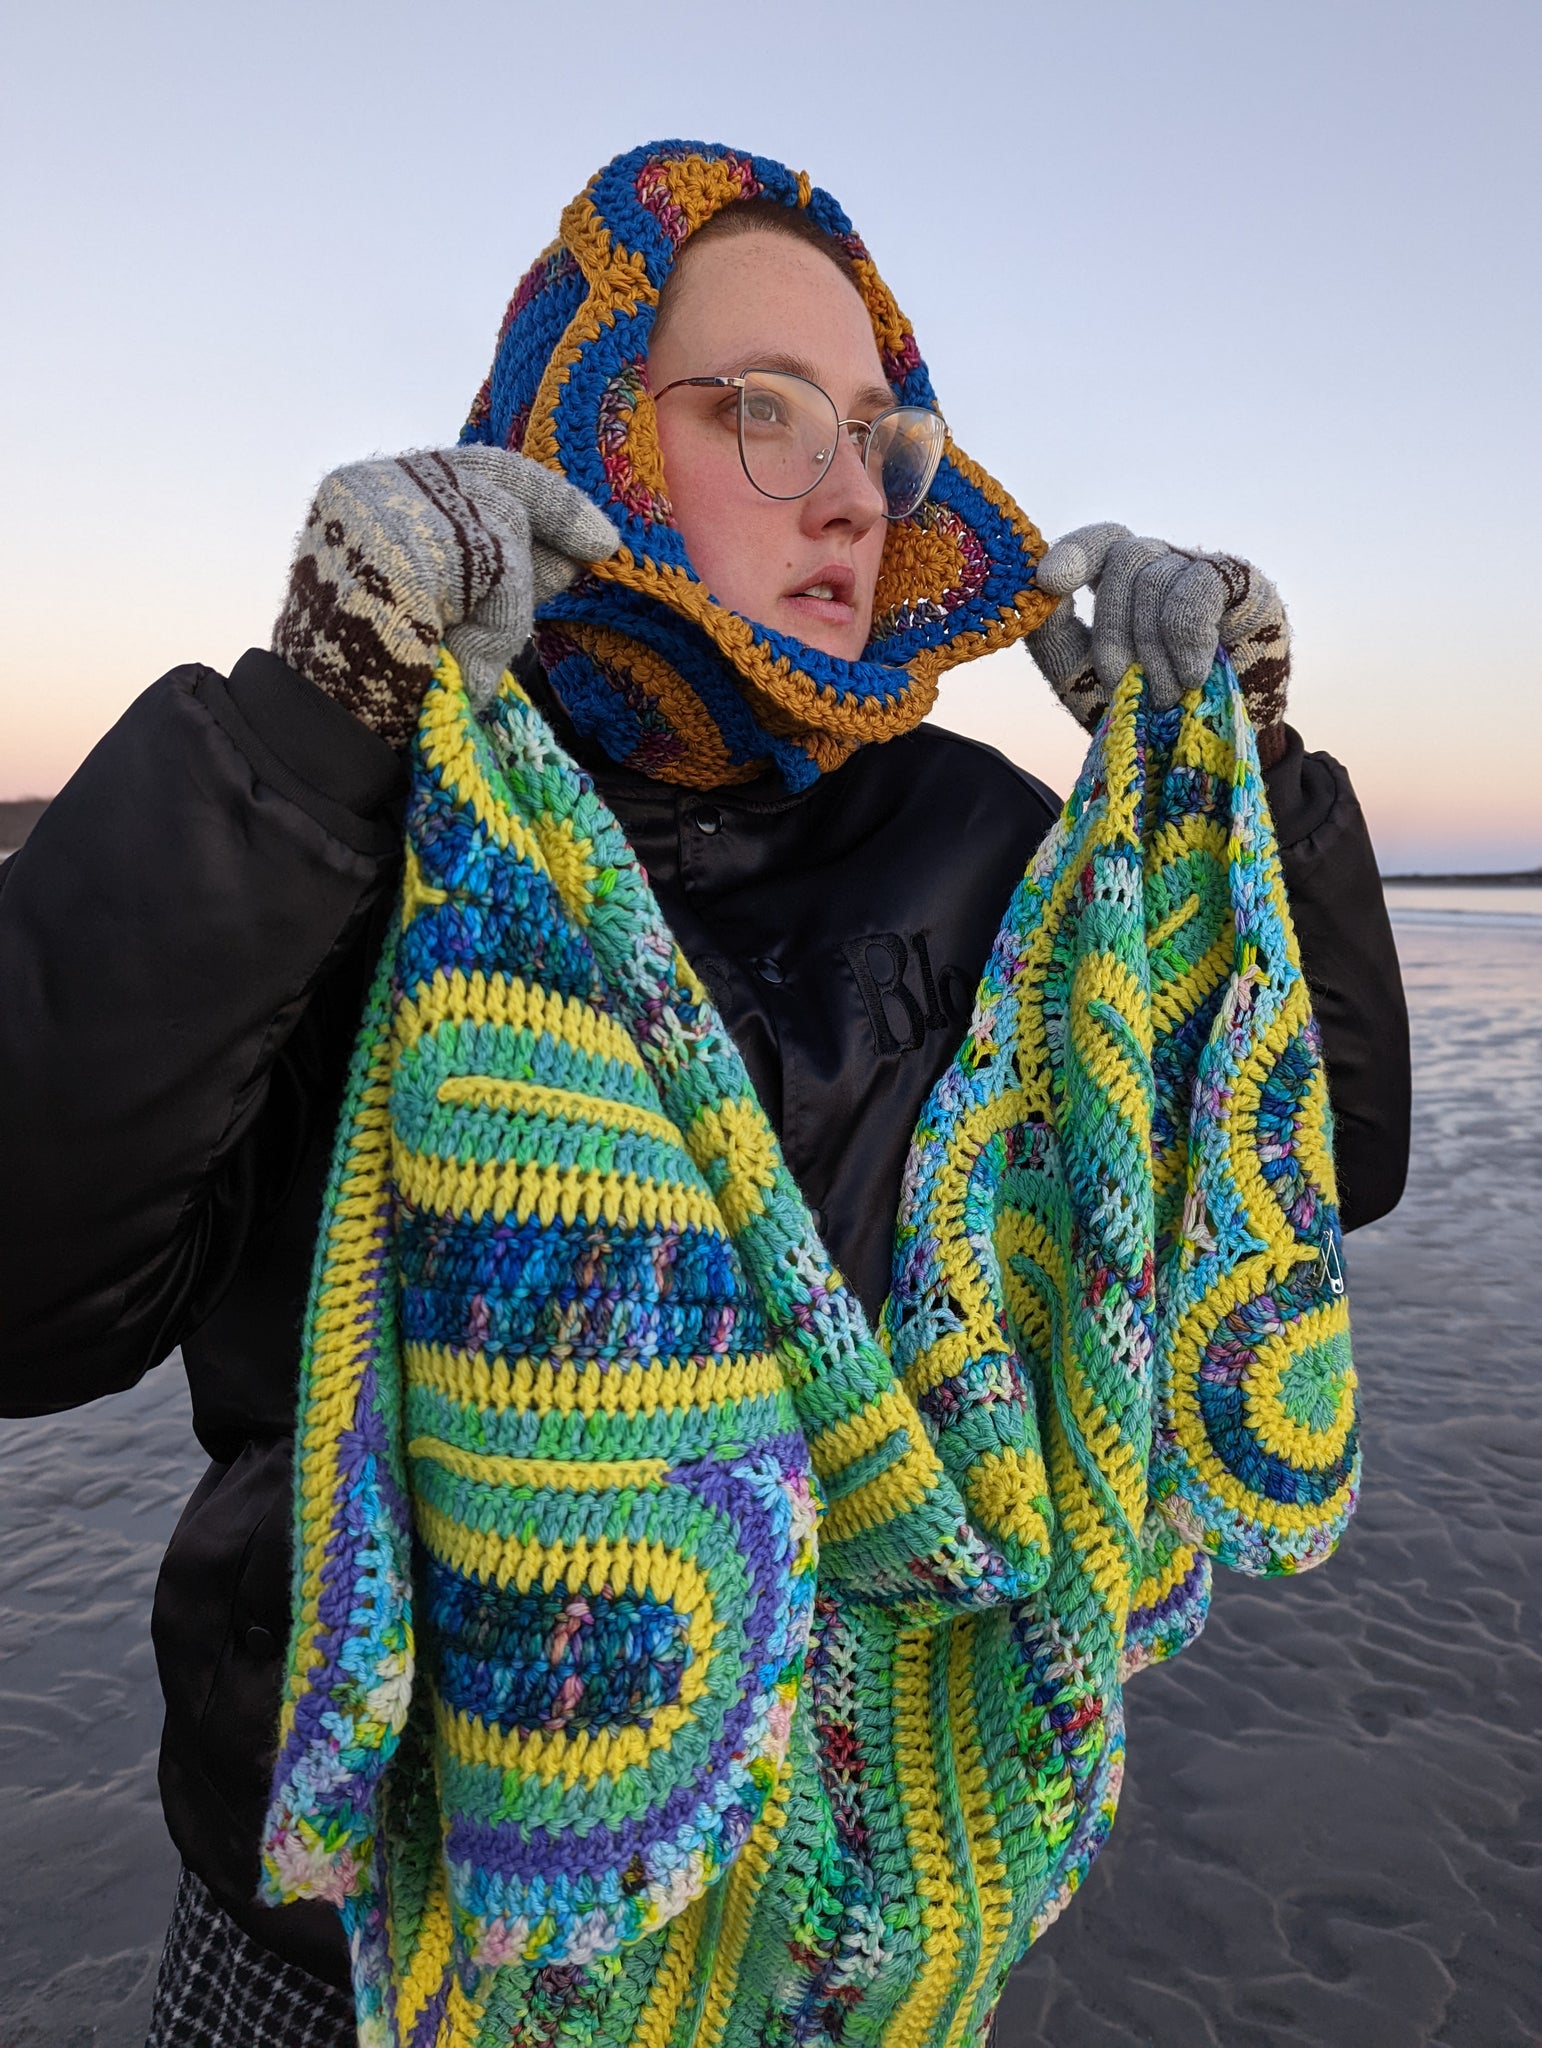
787	439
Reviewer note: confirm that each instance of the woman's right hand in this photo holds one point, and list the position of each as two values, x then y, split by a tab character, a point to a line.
449	544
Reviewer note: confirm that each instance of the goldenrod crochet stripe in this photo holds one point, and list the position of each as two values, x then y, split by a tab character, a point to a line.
770	1681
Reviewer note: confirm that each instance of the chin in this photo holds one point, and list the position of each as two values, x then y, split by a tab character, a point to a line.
834	640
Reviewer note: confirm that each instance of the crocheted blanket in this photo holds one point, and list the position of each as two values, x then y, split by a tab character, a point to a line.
673	1660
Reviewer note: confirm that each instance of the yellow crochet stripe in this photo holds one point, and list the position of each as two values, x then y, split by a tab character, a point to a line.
1004	1487
566	1475
1174	1001
568	862
977	1336
444	730
1125	799
915	1766
992	1881
496	999
657	2021
737	1135
1265	1216
474	1380
582	1566
1249	1278
743	1884
1297	1443
340	1351
1198	747
534	1098
588	1755
1122	1465
505	1188
854	1436
1101	978
1040	1316
1107	1565
427	1970
1174	922
904	1485
1314	1137
1031	1045
1157	1585
417	894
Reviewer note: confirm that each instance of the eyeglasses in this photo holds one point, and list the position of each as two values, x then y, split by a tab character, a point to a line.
789	430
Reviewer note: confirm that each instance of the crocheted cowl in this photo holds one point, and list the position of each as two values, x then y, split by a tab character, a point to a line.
646	662
672	1662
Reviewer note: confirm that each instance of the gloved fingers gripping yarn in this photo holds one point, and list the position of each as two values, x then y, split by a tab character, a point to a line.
402	554
1167	608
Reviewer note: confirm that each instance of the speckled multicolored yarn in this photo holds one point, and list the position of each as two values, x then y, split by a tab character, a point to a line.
589	1730
573	1331
669	681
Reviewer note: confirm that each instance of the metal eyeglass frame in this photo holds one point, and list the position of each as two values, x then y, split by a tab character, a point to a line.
867	427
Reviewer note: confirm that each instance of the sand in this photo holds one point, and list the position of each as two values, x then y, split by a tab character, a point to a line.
1331	1831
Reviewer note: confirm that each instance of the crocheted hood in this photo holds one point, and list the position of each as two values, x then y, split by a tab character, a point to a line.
639	649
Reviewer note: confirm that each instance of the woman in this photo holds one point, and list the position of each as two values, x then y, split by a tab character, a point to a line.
189	935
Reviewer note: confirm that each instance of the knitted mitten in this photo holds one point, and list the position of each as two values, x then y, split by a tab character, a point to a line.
451	544
1166	608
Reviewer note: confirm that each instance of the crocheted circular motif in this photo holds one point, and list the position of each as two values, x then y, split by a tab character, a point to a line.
618	1568
957	580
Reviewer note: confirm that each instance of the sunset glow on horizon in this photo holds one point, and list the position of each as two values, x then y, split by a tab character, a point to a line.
1240	279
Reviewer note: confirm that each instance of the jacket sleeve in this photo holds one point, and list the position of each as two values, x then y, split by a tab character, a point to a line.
1351	967
160	935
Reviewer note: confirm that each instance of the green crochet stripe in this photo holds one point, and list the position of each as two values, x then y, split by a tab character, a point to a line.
768	1679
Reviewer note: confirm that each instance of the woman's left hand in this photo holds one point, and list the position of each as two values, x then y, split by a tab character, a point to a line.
1167	608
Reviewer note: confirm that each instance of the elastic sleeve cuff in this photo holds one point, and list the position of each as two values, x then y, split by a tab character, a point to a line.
305	745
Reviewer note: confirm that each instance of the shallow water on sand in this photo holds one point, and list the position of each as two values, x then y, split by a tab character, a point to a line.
1331	1832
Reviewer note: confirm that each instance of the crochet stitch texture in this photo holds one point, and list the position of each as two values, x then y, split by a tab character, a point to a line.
673	1662
647	662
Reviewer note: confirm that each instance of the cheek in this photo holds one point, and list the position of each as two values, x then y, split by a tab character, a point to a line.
721	520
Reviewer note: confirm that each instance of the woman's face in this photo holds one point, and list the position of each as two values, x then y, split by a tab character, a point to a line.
806	566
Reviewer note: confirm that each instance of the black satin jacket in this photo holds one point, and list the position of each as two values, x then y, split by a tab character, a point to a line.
184	946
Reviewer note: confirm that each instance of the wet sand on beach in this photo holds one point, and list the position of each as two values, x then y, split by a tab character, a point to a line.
1331	1830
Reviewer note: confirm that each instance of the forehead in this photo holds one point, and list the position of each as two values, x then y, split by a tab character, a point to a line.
748	297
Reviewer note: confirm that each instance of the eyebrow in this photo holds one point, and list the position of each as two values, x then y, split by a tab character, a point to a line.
876	396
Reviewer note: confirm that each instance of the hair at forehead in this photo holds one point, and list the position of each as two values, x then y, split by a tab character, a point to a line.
756	216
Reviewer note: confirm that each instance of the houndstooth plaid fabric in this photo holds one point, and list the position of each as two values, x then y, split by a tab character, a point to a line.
218	1989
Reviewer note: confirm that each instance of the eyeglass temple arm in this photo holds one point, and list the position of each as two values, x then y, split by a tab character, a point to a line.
723	383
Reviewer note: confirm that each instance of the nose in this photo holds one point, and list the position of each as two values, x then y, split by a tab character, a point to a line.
845	495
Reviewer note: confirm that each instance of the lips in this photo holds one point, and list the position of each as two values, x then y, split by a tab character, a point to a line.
827	594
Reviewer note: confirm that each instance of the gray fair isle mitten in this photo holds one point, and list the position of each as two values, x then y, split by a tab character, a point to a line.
452	544
1166	608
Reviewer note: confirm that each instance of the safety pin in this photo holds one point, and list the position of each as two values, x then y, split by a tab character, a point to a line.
1331	1266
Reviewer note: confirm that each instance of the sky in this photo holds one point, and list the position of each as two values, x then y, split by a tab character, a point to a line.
1245	276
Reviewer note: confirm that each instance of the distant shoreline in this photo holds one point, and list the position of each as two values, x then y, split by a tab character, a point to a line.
1525	878
19	815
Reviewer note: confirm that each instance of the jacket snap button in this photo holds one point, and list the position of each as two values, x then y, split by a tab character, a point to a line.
261	1642
818	1215
769	971
706	818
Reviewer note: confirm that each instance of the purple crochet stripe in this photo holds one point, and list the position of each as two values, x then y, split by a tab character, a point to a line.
488	1846
363	1455
1175	1598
